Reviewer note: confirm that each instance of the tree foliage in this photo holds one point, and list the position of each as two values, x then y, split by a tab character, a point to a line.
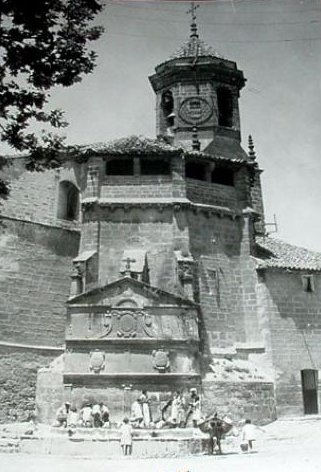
43	43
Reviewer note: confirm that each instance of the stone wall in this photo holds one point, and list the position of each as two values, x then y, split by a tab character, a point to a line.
215	244
294	318
18	374
35	281
240	400
211	194
148	229
34	196
138	186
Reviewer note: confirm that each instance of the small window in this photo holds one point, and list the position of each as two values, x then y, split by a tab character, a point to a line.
167	105
308	283
68	201
225	107
154	167
120	167
222	176
194	170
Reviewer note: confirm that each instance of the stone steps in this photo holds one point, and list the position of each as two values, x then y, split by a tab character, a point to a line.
9	445
106	443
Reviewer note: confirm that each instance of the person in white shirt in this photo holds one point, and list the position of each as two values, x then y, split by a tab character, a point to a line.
248	435
126	437
87	416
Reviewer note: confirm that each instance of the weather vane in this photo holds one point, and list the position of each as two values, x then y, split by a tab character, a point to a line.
192	11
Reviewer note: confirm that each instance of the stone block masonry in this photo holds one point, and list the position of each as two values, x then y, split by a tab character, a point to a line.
18	374
295	324
35	263
241	400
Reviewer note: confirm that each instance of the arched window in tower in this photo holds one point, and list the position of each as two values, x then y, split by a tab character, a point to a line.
68	201
225	107
167	105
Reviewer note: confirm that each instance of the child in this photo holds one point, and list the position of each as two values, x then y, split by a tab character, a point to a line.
248	436
126	432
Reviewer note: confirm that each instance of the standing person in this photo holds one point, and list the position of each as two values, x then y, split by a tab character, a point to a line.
248	435
177	409
144	401
215	428
215	431
137	414
126	437
194	408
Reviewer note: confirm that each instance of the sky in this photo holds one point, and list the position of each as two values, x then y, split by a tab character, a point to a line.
277	44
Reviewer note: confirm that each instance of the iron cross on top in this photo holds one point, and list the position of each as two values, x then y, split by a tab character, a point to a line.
192	11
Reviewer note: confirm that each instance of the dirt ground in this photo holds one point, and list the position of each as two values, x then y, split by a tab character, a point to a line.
287	445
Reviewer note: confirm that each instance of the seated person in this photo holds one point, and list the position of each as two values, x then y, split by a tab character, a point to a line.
62	414
104	411
73	418
87	419
96	413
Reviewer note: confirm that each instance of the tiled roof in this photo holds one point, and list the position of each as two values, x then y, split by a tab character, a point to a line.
194	47
274	253
128	145
140	145
226	148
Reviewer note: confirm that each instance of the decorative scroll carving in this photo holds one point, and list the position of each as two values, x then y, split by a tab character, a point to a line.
97	361
161	360
108	323
148	325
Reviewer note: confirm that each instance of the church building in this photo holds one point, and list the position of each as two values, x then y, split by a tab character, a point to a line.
144	265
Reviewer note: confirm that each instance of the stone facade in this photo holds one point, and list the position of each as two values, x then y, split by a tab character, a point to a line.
157	280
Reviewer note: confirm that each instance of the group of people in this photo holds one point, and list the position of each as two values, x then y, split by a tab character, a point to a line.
177	412
181	412
216	428
90	415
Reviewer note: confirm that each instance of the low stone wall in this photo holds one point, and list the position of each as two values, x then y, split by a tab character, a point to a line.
106	443
240	400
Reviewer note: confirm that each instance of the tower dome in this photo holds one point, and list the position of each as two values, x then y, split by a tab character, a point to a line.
197	92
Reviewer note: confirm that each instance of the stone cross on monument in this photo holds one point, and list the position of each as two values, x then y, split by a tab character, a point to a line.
128	261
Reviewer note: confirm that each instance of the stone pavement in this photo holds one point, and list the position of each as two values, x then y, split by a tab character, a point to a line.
285	445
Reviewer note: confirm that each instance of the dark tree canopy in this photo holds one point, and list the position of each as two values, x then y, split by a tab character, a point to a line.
43	43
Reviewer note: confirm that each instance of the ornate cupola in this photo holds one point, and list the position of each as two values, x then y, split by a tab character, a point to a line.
197	91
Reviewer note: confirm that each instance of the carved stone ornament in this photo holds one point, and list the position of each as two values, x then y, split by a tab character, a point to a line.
108	323
97	361
195	110
161	360
127	324
185	271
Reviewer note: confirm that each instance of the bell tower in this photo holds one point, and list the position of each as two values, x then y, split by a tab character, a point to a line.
197	93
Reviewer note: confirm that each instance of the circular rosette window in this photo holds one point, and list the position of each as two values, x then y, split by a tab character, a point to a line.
127	326
195	110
